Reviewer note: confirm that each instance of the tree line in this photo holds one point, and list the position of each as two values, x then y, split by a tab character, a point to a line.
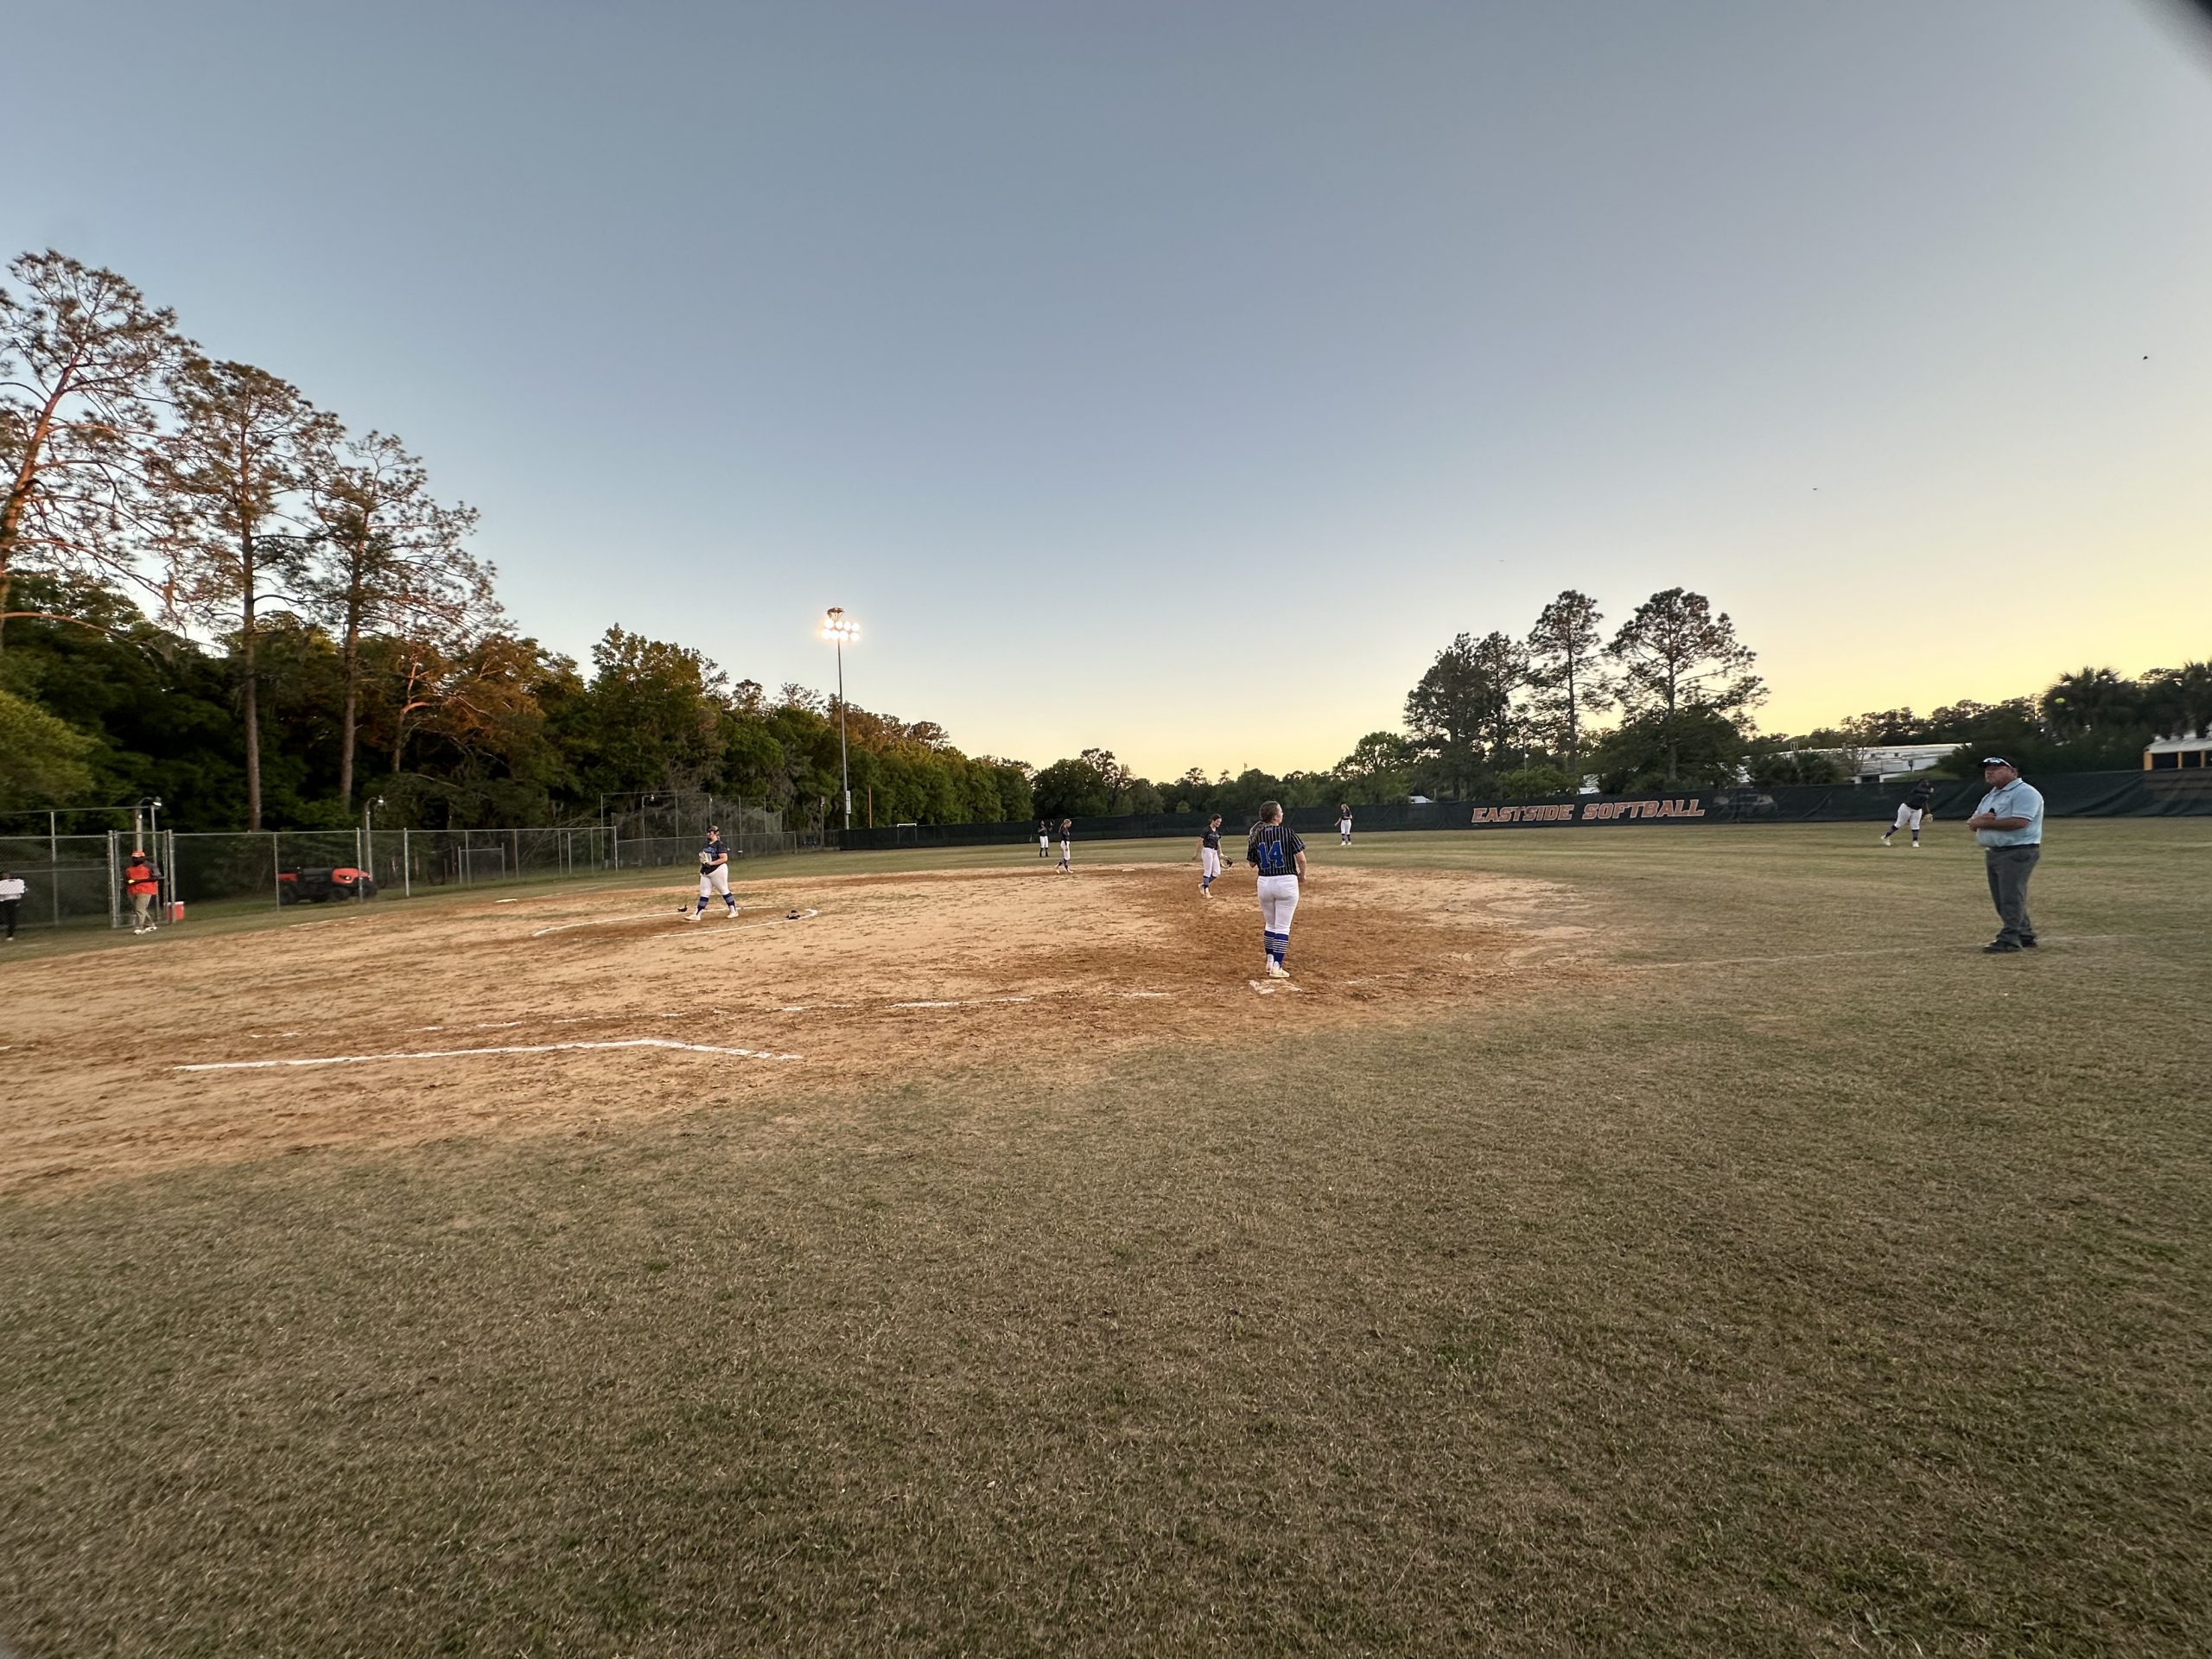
1664	700
214	591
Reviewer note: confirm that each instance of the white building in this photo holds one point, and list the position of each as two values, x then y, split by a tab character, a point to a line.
1880	766
2191	752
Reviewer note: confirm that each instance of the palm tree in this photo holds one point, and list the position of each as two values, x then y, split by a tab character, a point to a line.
2090	700
2179	700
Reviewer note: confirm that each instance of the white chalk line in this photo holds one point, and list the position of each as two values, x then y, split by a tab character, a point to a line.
472	1053
957	1002
964	1002
706	940
600	921
656	915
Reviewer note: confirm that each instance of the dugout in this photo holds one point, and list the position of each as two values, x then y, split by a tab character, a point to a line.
2189	753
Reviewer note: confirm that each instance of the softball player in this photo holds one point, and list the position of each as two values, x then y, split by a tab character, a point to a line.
1344	824
1911	810
1209	857
714	875
1067	845
1277	853
1043	839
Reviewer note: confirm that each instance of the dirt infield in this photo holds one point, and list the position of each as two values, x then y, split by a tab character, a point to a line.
570	1009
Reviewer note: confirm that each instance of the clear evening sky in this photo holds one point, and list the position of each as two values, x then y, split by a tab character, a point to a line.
1179	377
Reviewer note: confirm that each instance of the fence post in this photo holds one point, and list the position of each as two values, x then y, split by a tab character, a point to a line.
175	895
114	886
614	856
517	840
53	862
406	868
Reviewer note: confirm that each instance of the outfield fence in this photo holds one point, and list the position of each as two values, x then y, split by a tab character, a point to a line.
2088	794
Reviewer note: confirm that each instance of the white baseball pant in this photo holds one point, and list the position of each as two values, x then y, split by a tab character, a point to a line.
1278	903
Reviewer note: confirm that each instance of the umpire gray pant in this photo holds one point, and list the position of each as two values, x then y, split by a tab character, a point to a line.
2009	870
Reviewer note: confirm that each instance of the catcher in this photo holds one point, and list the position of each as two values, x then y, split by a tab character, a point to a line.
714	876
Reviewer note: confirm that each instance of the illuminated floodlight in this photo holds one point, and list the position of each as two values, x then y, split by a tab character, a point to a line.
839	628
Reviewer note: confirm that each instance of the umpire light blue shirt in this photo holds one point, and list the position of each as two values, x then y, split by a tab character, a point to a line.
2017	799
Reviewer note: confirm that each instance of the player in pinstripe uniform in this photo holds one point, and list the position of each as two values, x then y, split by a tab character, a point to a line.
1209	857
1275	850
714	875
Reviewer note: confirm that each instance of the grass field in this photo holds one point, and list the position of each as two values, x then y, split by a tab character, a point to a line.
1647	1240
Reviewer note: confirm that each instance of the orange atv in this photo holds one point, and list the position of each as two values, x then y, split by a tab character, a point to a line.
321	886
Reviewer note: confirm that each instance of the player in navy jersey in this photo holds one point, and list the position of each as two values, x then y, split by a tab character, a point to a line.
1043	839
1209	857
1067	845
714	875
1344	824
1276	852
1911	810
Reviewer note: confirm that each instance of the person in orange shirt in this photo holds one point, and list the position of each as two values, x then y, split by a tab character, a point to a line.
142	881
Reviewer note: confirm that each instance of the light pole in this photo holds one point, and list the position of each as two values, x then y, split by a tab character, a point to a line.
369	834
152	845
839	627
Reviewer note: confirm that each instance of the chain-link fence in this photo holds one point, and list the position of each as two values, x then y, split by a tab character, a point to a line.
291	867
412	859
67	879
79	879
668	827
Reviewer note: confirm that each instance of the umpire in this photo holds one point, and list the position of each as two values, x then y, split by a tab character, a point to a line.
2008	825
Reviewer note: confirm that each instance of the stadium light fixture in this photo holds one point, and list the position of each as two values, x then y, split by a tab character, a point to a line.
369	832
838	627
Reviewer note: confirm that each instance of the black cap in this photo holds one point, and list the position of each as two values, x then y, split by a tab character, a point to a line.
1989	760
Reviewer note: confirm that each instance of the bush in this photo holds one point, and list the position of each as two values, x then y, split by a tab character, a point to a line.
1529	782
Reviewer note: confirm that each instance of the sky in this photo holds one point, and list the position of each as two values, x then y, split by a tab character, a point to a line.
1179	378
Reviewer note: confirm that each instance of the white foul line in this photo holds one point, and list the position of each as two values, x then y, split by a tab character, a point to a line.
467	1053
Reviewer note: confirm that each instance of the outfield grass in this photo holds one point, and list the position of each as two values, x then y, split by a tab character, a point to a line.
1806	1282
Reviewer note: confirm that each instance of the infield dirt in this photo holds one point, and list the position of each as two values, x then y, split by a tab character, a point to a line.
874	977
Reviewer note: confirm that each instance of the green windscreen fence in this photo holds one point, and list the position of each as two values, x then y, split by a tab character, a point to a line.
2066	795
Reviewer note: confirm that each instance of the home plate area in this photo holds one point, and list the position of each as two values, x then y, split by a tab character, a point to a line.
576	1008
